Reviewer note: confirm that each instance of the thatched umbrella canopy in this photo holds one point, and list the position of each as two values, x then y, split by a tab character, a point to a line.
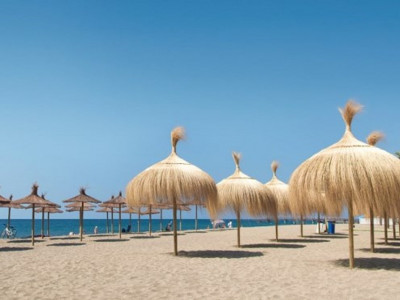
173	181
119	202
4	200
85	208
240	192
372	140
10	204
81	199
49	210
280	191
36	201
42	209
349	173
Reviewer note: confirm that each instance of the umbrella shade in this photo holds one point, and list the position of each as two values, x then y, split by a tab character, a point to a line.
172	181
82	197
4	200
52	210
240	192
130	210
11	204
348	174
86	208
280	191
79	205
34	199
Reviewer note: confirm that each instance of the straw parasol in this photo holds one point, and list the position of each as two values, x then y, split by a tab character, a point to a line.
173	181
349	174
42	210
4	200
240	192
280	191
35	201
49	210
119	202
372	140
10	204
109	204
81	199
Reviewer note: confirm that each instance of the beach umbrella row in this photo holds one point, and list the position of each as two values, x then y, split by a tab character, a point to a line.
349	174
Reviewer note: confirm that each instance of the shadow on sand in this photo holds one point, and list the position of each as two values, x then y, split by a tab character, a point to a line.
194	231
289	246
146	237
220	254
327	236
64	238
111	240
373	263
9	249
382	250
24	241
170	234
390	243
65	244
302	240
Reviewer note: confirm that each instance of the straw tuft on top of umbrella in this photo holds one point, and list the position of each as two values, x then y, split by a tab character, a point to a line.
375	137
349	174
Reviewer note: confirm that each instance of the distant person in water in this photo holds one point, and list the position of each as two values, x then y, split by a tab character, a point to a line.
96	230
230	224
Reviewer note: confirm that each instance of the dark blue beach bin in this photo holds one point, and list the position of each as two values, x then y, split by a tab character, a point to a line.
331	227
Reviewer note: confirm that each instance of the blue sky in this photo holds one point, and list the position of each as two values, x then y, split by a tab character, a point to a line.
90	90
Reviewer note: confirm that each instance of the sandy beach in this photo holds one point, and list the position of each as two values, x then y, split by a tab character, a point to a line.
209	266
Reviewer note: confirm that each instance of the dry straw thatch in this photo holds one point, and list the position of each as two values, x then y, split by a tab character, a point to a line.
36	201
280	191
240	192
349	174
84	201
10	204
172	181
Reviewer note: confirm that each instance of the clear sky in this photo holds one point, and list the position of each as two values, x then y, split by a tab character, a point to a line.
90	90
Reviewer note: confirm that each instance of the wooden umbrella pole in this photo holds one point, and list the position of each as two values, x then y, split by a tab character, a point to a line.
175	229
195	221
351	237
42	228
371	229
319	228
33	224
107	225
386	227
112	220
276	228
119	222
238	228
394	228
138	222
150	220
301	225
81	221
130	220
161	227
9	217
48	224
180	219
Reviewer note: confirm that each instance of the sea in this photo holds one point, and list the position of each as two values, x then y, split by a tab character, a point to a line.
62	227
